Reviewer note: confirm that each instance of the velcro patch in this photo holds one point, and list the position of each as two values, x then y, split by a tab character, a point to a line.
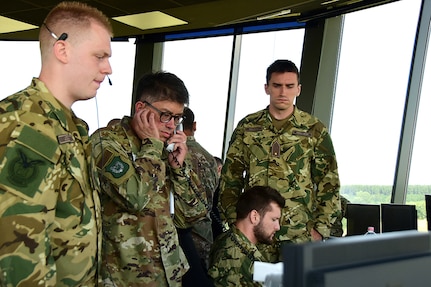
117	167
24	170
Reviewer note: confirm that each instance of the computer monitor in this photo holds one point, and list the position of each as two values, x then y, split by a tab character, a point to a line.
428	209
361	216
400	258
398	217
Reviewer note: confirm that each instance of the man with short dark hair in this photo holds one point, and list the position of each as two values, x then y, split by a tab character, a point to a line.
147	192
234	252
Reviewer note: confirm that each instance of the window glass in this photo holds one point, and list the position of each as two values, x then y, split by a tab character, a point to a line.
419	178
373	74
204	66
20	62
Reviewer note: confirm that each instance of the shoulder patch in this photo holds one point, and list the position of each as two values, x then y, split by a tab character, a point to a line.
117	168
24	170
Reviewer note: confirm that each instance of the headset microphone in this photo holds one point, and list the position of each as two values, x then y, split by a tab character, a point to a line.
109	80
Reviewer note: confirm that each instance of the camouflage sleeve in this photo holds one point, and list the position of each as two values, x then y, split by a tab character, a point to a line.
205	166
190	202
325	177
232	179
29	166
212	181
129	180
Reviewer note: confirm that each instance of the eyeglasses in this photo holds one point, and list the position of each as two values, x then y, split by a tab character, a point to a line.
166	116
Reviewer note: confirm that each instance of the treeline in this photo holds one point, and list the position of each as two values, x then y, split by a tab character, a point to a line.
376	194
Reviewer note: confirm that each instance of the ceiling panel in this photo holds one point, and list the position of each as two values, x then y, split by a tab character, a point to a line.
199	14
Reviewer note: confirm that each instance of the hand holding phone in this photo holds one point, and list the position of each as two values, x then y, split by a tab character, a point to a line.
170	147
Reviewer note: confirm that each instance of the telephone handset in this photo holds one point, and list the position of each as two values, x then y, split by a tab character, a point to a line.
170	147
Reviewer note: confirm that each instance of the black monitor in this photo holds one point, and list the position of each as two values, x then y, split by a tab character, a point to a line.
428	209
361	216
400	258
398	217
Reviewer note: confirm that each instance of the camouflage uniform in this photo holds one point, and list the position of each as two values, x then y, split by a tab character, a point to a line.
205	166
140	240
298	160
337	227
49	214
229	264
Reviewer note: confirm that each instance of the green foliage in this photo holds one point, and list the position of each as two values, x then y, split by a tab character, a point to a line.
377	194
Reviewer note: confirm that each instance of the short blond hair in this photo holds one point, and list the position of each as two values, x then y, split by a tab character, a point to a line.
67	17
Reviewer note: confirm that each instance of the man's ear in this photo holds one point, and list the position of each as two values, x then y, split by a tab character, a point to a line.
194	126
61	51
254	217
299	90
139	105
266	89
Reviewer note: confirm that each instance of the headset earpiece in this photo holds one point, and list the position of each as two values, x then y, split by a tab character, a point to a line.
63	37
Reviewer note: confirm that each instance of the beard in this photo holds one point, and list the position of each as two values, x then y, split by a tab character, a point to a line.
261	235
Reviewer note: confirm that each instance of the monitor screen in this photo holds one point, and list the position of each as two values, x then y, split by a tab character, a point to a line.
397	217
361	216
428	209
400	258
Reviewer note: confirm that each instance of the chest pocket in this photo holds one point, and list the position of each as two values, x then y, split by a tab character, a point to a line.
28	164
281	161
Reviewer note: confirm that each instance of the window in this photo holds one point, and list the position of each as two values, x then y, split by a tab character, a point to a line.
204	66
373	75
419	178
20	62
375	60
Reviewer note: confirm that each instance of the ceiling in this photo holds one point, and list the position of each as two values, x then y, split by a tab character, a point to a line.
194	14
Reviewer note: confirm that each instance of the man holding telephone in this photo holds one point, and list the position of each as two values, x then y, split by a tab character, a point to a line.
139	180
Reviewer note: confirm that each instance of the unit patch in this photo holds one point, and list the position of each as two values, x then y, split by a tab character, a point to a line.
117	168
23	170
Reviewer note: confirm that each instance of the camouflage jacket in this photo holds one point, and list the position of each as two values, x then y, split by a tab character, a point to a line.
337	227
231	261
140	239
205	166
49	213
298	160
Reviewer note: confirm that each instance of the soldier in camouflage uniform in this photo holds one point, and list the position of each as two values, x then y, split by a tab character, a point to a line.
205	167
137	176
291	151
49	213
234	252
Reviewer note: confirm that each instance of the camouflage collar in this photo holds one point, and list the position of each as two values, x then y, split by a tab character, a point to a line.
191	138
52	107
297	119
